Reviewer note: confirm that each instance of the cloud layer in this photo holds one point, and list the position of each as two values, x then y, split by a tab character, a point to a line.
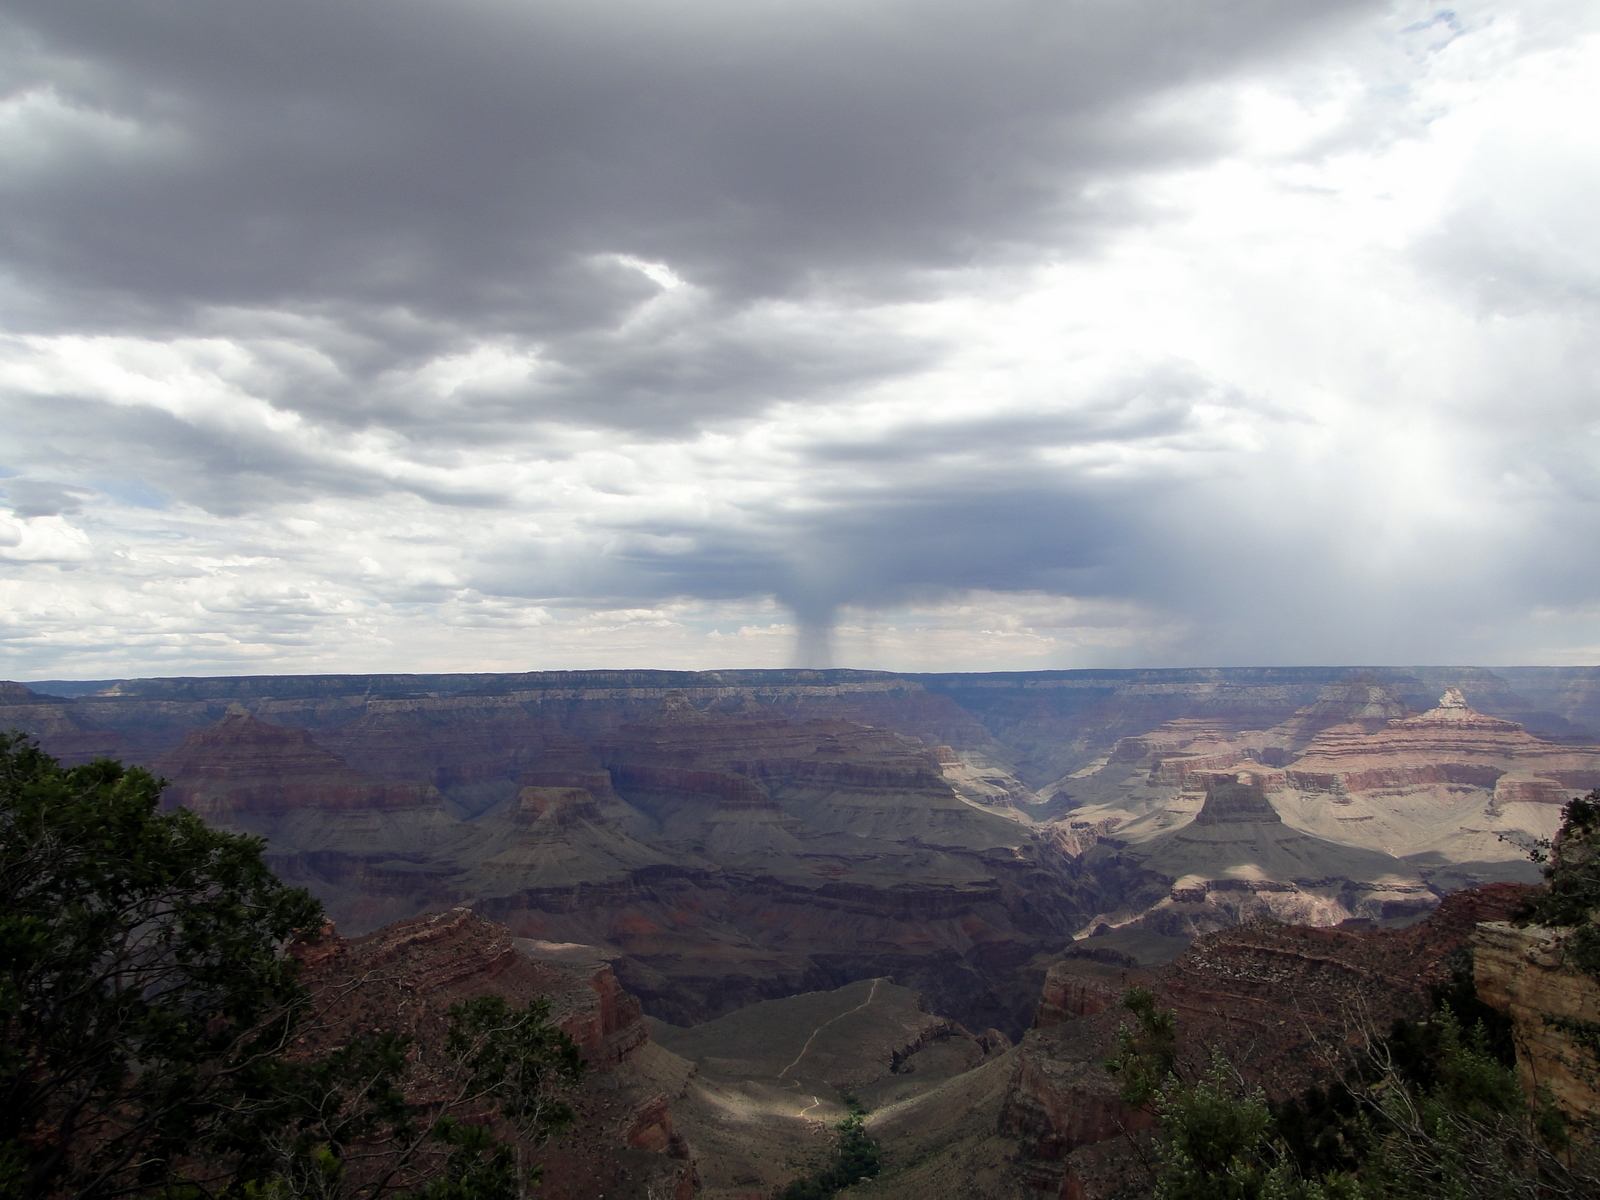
349	335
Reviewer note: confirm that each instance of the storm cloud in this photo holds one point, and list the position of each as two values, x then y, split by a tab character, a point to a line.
348	335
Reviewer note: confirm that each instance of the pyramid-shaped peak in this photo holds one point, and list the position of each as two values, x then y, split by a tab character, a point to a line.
1453	706
1454	711
1237	804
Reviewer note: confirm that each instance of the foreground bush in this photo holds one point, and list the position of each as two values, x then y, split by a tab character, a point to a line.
148	1004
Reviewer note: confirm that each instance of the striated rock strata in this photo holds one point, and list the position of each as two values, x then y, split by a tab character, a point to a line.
742	835
1459	794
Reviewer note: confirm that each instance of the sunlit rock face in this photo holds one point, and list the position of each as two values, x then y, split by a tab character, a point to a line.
1460	795
1554	1007
1237	860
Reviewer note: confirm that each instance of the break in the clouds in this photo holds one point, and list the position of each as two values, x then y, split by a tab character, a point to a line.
391	334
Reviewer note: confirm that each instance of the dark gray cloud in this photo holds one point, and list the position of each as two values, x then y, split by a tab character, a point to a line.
38	498
463	161
364	312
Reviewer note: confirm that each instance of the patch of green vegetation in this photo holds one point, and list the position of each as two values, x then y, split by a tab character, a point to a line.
855	1159
1434	1111
1572	899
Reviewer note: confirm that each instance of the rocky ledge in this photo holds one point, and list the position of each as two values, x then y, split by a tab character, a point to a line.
406	976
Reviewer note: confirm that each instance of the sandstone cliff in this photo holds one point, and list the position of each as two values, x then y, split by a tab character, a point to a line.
1554	1008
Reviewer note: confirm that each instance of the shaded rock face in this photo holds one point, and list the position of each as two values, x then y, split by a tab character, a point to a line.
729	856
1230	802
1554	1009
245	766
406	976
794	855
58	723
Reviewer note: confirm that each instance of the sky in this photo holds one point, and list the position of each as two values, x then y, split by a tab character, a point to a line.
434	335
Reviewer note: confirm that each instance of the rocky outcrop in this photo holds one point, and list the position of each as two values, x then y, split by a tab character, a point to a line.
1060	1101
1083	986
1287	1004
406	976
1554	1008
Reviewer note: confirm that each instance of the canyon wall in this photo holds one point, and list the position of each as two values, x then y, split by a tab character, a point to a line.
1554	1007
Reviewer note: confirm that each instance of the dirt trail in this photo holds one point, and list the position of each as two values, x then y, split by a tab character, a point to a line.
803	1049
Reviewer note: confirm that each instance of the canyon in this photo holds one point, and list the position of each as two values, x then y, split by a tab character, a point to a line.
739	836
752	891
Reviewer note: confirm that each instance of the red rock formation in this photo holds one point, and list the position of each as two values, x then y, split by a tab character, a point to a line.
1459	793
405	977
1083	987
1452	743
470	748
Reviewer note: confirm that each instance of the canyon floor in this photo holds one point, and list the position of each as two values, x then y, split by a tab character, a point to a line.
818	882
